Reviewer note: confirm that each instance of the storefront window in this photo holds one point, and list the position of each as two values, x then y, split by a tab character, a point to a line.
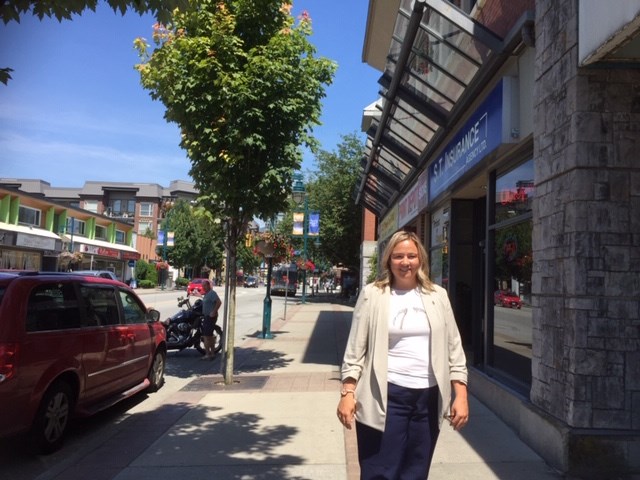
439	253
512	332
20	260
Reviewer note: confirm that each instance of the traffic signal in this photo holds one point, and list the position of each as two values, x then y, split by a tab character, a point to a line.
248	239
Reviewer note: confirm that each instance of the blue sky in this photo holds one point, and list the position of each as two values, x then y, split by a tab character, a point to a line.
75	110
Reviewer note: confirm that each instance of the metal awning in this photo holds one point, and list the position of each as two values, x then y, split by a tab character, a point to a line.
437	60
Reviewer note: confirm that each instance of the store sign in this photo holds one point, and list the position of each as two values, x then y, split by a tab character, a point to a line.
389	224
414	201
481	135
130	255
102	251
35	241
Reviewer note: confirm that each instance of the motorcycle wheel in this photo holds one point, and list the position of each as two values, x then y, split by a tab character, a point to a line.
199	344
218	338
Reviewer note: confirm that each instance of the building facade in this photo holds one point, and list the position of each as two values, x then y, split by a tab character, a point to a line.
38	234
140	205
506	136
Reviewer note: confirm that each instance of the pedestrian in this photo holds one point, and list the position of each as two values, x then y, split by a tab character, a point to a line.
210	305
403	358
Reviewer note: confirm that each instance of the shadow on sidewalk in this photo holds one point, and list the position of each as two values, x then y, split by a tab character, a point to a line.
242	442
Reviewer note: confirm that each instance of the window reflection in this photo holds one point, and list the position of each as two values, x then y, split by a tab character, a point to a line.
512	316
512	330
514	192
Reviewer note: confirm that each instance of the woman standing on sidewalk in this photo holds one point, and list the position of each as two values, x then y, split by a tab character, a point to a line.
403	357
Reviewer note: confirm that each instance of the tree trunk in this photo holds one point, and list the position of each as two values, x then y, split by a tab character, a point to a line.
231	303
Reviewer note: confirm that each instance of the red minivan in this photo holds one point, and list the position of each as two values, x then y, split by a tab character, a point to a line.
70	346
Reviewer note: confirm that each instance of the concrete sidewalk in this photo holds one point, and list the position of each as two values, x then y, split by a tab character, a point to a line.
278	421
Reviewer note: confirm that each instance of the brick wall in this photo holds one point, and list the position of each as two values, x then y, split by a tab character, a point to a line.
500	15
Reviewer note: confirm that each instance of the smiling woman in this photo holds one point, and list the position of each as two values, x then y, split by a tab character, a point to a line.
405	323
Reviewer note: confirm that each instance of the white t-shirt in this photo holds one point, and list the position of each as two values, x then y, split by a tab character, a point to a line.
409	339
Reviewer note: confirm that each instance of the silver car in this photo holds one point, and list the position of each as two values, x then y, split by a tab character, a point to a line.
98	273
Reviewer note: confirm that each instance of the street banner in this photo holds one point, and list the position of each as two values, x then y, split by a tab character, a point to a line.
170	236
314	224
298	224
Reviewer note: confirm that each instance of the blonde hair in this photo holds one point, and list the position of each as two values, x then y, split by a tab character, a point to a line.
386	277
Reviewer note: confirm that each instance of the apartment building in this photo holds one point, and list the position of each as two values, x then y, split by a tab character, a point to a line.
38	234
138	206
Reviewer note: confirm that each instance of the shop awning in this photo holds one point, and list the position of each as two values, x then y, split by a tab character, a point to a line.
39	232
78	239
438	60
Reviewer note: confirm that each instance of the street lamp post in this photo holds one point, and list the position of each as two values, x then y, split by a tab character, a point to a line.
300	196
164	256
267	250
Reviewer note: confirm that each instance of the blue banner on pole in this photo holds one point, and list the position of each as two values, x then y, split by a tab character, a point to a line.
314	224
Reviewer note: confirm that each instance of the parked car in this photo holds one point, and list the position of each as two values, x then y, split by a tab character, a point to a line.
251	282
507	298
97	273
71	345
195	285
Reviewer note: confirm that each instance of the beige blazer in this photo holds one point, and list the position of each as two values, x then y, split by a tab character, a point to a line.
365	357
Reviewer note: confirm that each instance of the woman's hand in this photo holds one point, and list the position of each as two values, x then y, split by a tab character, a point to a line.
347	410
460	407
347	403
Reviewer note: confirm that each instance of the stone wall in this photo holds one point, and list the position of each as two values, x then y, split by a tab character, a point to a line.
586	244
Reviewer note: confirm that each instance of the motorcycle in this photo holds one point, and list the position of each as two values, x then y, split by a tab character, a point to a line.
184	329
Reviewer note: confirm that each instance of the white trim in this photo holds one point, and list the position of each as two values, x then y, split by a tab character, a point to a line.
100	243
28	230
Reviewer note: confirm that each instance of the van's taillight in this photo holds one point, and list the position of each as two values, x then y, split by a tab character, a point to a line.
8	361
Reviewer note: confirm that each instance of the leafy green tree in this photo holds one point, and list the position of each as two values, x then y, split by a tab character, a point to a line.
247	259
146	271
197	238
64	9
373	268
331	193
241	80
12	10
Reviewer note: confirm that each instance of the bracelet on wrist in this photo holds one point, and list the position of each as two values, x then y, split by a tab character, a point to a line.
345	391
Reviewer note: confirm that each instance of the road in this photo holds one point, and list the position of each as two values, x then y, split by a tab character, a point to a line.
249	307
18	463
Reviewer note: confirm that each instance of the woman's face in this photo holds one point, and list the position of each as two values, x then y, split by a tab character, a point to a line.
404	265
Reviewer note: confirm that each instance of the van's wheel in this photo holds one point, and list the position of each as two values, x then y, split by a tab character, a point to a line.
52	418
156	372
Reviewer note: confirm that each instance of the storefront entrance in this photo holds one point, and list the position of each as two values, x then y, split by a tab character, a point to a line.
466	261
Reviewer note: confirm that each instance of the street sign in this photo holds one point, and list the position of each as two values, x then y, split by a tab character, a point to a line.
131	263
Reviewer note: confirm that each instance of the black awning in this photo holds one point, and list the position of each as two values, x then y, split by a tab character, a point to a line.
437	57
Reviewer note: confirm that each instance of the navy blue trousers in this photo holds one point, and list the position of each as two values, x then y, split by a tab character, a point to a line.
405	449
